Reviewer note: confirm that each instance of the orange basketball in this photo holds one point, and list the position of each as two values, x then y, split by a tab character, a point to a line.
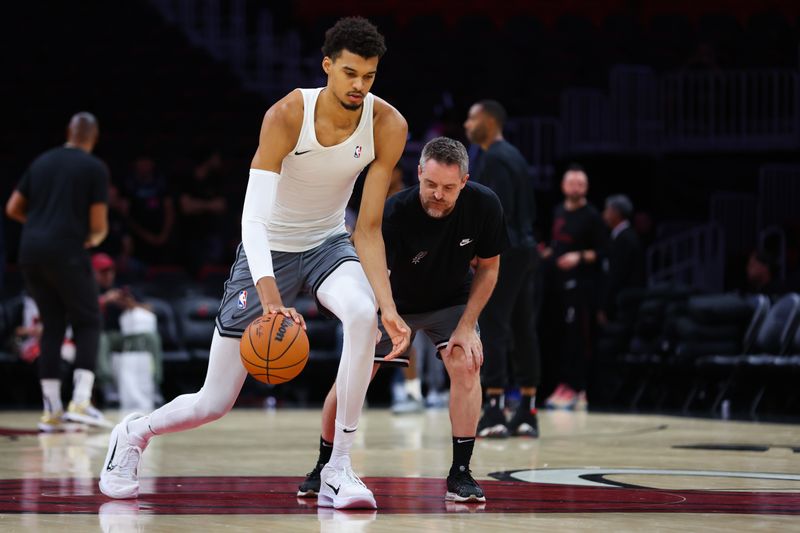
274	349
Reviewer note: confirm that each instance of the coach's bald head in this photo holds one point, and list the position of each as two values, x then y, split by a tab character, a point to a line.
82	131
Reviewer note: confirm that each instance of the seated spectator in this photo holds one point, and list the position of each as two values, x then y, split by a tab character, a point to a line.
130	333
761	269
151	212
202	206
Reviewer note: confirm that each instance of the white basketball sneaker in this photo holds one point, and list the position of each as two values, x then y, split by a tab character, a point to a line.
119	477
341	488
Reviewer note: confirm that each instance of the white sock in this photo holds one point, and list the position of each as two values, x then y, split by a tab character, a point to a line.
414	388
83	381
342	443
51	395
140	432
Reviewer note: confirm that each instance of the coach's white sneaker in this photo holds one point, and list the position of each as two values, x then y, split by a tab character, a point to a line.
119	477
341	488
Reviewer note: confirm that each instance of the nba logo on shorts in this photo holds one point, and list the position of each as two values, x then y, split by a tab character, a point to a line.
242	302
357	153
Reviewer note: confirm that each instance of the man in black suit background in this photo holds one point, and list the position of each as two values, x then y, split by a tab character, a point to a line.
624	262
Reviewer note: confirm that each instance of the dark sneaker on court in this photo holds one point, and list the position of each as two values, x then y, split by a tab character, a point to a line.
492	424
309	488
524	423
461	487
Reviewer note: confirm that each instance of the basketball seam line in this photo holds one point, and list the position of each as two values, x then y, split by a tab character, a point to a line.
269	343
253	346
303	360
290	344
273	375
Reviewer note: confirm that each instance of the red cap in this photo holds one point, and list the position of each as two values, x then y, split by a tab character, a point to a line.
101	262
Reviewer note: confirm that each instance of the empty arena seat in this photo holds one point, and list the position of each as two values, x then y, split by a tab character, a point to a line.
196	316
767	332
720	309
212	278
761	306
171	340
794	348
166	281
774	336
716	328
779	339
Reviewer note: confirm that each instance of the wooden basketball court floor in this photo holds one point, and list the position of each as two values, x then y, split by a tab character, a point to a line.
588	471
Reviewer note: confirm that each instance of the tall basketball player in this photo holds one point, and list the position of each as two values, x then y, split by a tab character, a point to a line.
313	145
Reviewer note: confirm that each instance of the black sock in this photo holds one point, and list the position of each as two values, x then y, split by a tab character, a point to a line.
527	403
325	450
497	400
462	453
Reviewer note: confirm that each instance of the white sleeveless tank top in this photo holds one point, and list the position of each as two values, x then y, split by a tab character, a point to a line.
317	181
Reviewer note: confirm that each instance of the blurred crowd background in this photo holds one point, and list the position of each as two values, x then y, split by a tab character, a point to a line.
690	109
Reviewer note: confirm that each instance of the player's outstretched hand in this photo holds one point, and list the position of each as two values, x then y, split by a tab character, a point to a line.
290	312
398	331
470	342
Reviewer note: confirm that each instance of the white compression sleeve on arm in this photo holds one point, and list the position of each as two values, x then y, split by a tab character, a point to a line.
258	202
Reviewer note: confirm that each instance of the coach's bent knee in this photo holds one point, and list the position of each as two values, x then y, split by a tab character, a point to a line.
461	373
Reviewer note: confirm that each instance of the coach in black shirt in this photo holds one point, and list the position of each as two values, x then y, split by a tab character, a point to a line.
61	201
509	319
439	250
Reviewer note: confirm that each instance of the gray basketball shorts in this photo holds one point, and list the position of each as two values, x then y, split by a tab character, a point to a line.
295	272
437	325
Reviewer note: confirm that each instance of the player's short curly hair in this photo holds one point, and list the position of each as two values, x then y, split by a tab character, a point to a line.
356	34
446	151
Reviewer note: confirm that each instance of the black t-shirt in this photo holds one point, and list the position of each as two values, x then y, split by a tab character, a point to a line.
429	257
581	229
59	186
503	169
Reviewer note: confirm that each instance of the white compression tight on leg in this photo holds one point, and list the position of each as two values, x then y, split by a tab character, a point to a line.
347	294
223	383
